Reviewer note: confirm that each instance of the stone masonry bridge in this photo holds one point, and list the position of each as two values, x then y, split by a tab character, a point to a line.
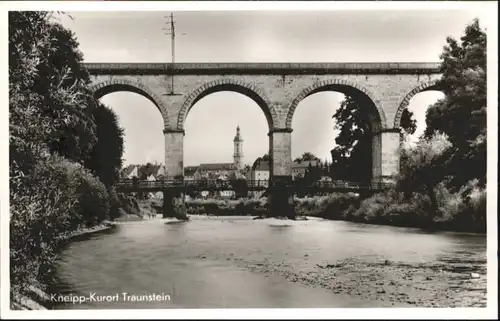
382	89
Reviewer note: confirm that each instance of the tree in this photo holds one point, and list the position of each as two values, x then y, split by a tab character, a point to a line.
354	141
422	167
52	133
462	113
240	187
50	103
313	173
306	157
45	70
106	157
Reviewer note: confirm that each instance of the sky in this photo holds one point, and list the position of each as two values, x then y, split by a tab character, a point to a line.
256	36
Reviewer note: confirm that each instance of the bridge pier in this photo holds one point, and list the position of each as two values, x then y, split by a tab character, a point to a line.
173	200
280	198
173	204
174	153
385	157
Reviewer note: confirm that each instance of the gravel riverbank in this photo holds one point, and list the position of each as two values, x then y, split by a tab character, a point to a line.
460	282
398	284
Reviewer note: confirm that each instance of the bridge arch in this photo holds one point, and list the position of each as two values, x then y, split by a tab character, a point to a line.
114	85
429	85
234	85
339	85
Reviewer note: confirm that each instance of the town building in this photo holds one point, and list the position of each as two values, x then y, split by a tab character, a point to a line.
215	170
260	173
238	150
209	171
259	176
129	172
148	172
190	173
299	169
260	170
219	170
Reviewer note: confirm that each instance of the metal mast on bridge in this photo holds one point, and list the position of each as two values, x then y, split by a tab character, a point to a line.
170	30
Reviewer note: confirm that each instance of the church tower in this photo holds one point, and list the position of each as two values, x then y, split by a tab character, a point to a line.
238	149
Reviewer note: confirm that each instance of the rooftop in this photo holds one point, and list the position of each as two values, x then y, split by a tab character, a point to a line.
261	166
217	166
128	170
190	170
304	164
142	170
149	170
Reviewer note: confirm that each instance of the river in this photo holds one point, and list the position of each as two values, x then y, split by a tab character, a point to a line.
237	262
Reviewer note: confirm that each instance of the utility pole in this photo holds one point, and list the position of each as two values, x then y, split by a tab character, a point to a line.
170	30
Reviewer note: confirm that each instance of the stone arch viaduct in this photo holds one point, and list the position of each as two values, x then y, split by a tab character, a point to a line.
384	89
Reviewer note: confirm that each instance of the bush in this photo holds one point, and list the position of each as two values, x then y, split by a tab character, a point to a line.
128	204
92	199
476	202
333	206
114	204
58	197
372	208
464	210
404	214
337	204
391	207
251	206
227	207
39	212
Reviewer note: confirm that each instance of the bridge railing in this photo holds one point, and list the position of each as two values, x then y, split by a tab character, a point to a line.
188	183
220	184
324	184
351	185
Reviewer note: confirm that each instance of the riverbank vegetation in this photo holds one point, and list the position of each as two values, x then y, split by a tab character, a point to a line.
227	207
442	180
65	148
392	207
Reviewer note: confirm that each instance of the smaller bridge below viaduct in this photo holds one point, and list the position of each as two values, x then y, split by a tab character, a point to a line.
251	185
289	189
